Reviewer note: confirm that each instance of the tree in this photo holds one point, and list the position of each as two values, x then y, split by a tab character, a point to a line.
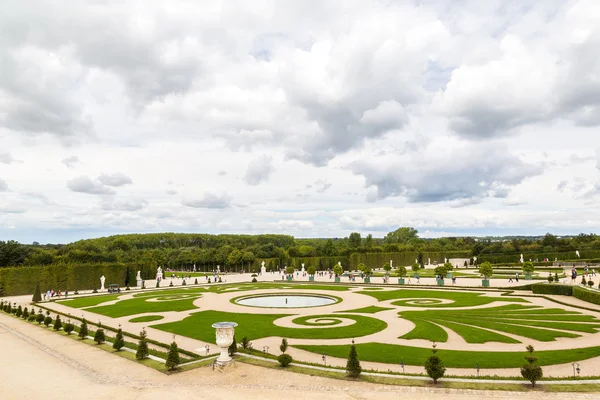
368	271
83	330
289	270
387	267
337	270
353	368
25	313
285	359
246	343
37	295
401	271
354	240
434	366
528	267
233	347
57	323
360	267
142	350
311	270
449	267
47	320
119	341
284	345
173	357
401	235
369	241
99	336
531	371
416	267
69	327
19	311
485	269
440	270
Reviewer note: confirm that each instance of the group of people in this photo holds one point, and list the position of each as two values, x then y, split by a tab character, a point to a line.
51	293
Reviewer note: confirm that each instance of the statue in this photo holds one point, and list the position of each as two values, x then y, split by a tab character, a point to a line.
429	261
416	260
303	267
102	280
522	260
194	268
445	260
263	269
577	253
391	264
159	274
340	263
474	260
138	279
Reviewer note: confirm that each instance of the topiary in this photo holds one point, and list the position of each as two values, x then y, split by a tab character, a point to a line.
69	327
196	281
401	271
550	279
233	347
19	311
285	360
99	336
531	371
434	366
416	267
254	280
25	313
486	270
83	330
142	350
583	280
171	284
528	267
590	283
119	341
556	277
57	323
183	283
246	343
47	320
353	368
127	288
284	345
440	270
39	318
172	357
37	295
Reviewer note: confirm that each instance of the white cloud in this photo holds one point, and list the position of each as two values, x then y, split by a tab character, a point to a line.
209	200
259	170
71	162
83	184
117	179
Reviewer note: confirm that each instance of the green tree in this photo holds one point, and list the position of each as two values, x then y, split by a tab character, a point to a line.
25	313
416	267
353	368
449	267
83	330
354	240
246	343
531	371
440	270
401	271
119	341
337	270
69	327
142	350
99	336
434	366
284	345
19	311
57	323
289	270
233	347
528	267
387	267
311	270
485	269
360	267
285	359
47	320
369	241
173	357
37	295
401	235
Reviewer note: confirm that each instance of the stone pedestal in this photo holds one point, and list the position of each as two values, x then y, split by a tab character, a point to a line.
225	332
140	282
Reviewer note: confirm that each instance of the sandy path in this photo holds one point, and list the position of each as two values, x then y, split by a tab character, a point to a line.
45	365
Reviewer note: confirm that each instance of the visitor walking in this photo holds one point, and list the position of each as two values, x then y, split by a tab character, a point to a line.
517	277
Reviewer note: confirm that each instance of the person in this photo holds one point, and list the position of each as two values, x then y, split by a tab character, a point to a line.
510	278
418	278
454	280
517	277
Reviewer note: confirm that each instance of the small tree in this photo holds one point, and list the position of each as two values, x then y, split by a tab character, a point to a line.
37	295
590	283
434	366
285	359
440	270
387	268
19	311
368	271
556	277
353	368
40	317
246	343
289	270
449	267
57	323
311	270
99	336
47	320
486	270
83	330
337	270
531	371
142	350
69	327
25	313
416	267
233	347
196	281
401	271
528	267
550	278
360	267
173	357
284	345
583	280
119	341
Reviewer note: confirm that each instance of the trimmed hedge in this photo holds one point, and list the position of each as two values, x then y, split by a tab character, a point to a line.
563	256
552	288
586	295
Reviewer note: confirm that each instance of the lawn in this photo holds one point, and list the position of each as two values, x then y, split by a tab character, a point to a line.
367	310
147	318
459	299
255	326
394	354
142	305
473	325
90	301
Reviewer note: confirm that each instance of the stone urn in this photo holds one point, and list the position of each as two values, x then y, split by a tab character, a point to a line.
225	332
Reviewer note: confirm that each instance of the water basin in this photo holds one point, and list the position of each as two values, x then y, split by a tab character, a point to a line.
286	301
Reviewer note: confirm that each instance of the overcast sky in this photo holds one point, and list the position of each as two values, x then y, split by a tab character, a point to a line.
313	118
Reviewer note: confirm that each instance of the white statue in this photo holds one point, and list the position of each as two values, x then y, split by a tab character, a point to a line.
159	273
218	269
416	260
522	260
263	269
445	260
391	264
102	280
474	260
302	267
340	263
429	261
577	253
138	279
194	268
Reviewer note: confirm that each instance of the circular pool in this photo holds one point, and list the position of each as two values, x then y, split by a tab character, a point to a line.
286	301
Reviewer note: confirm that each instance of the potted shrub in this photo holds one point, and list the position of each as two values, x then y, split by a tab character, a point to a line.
401	272
440	272
528	269
338	271
485	269
415	268
311	273
449	267
290	272
253	276
368	271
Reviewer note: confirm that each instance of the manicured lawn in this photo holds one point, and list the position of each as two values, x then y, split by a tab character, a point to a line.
367	310
255	326
147	318
90	301
529	322
459	299
393	354
143	305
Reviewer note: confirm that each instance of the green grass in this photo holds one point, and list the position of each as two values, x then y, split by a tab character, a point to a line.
318	321
142	305
393	354
147	318
90	301
543	324
367	310
255	326
459	299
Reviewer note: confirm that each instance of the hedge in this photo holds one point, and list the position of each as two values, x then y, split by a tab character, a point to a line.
552	288
562	256
320	263
586	295
378	260
22	280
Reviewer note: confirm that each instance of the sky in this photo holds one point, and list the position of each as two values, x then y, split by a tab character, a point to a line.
308	118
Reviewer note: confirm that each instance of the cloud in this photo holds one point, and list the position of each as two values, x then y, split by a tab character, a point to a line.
3	186
84	184
322	185
447	171
259	170
117	179
132	204
71	162
209	200
6	158
171	192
